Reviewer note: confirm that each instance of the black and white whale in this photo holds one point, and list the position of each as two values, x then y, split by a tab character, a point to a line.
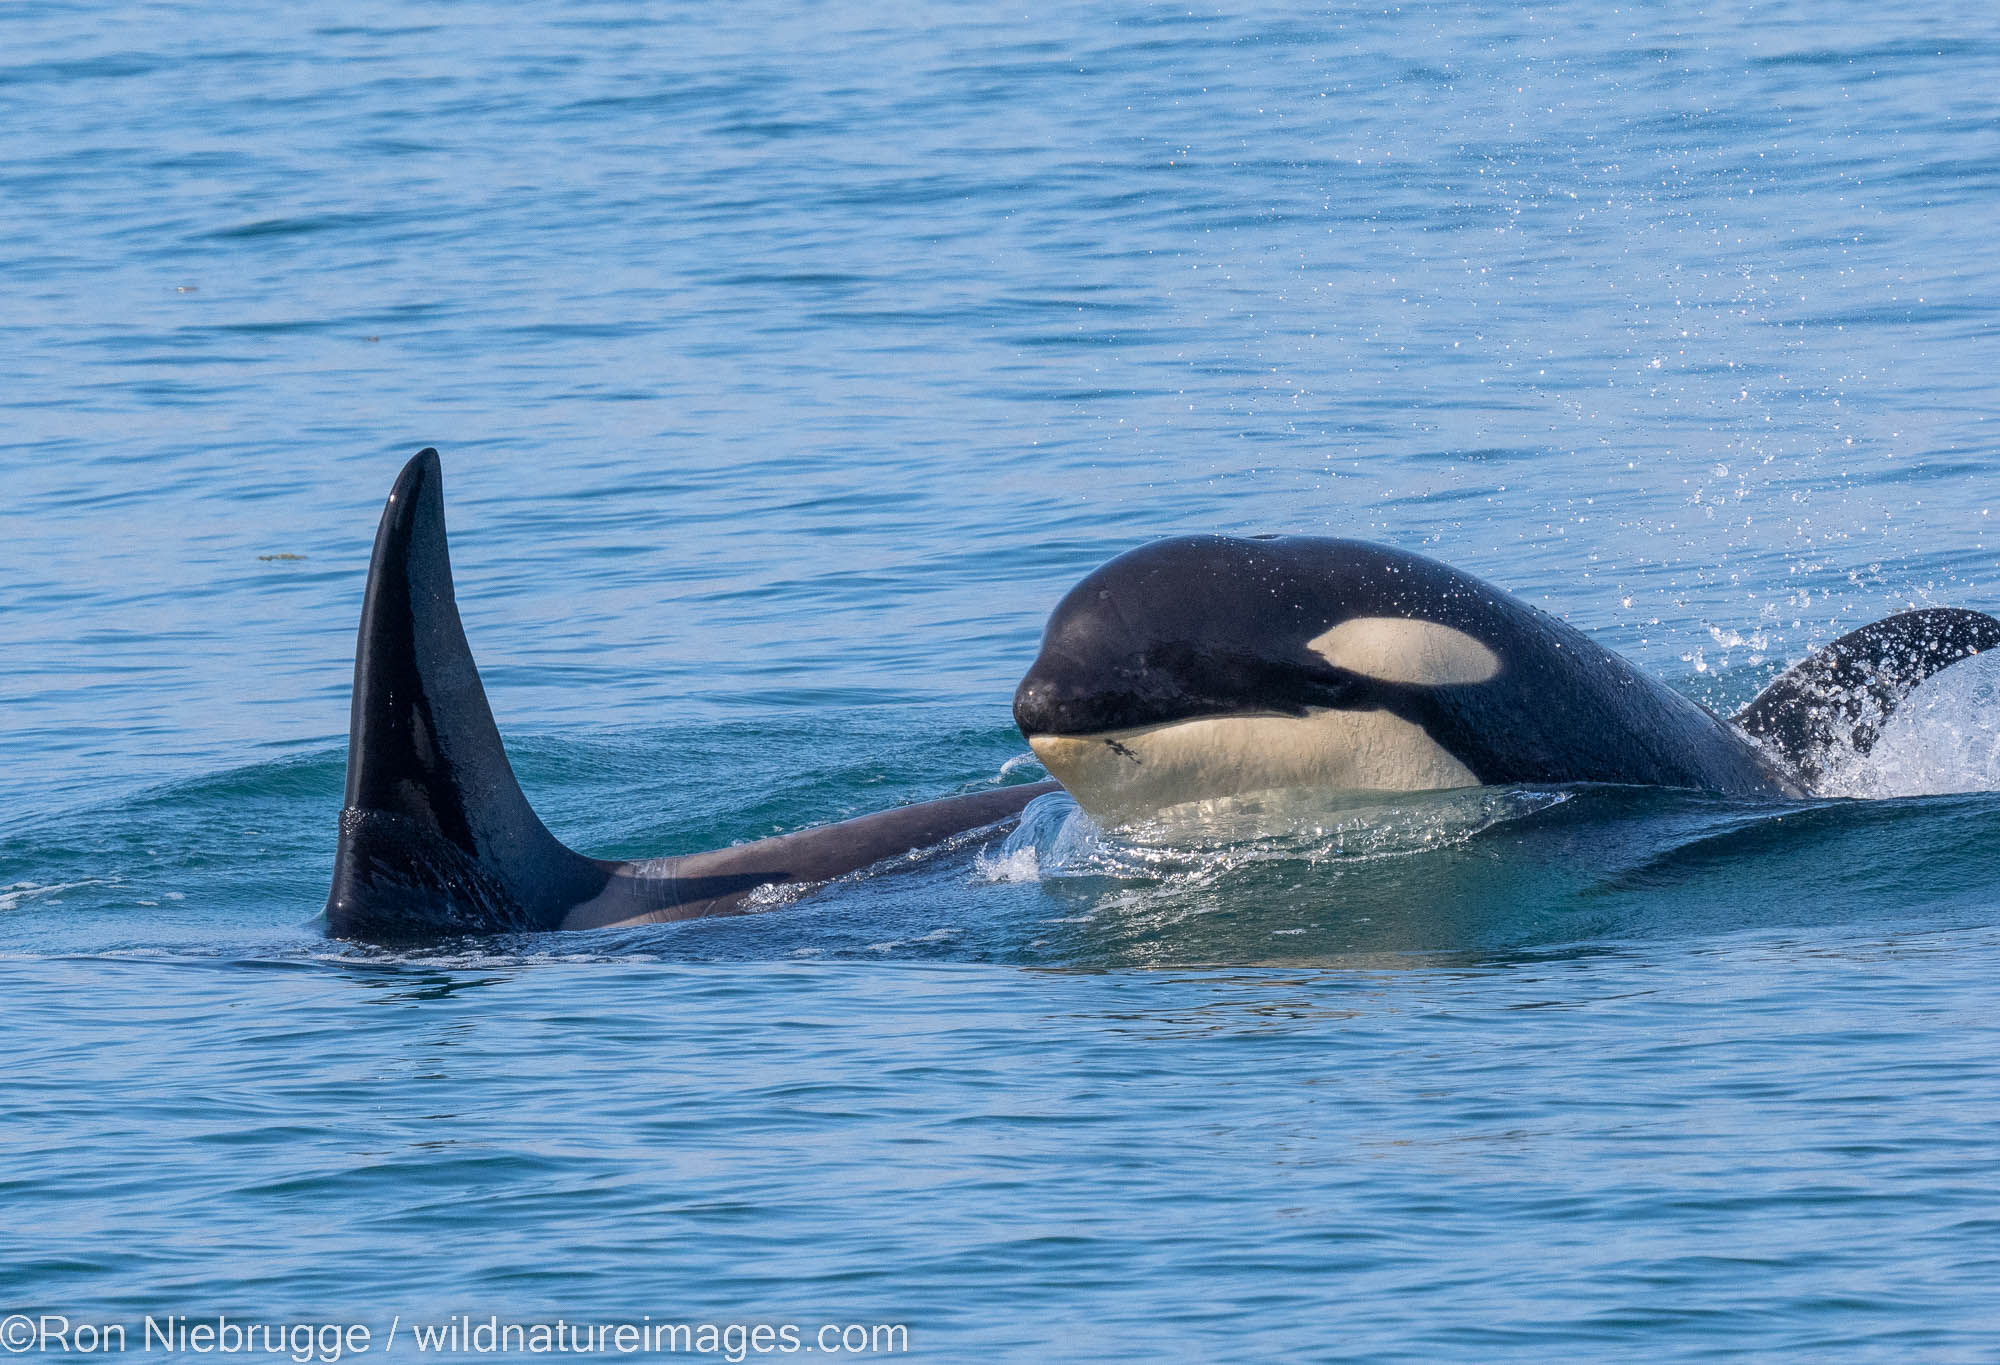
1187	669
435	834
1211	666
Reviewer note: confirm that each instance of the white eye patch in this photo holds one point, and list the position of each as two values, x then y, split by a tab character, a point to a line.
1394	650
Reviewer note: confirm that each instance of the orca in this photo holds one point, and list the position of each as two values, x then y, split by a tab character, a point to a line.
436	837
1211	666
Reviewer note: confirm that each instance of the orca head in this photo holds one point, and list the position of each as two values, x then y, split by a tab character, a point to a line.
1212	666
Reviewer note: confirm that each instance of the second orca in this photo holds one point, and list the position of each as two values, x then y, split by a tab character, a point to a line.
436	837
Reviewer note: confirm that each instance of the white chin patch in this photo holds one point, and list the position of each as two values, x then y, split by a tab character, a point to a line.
1124	775
1394	650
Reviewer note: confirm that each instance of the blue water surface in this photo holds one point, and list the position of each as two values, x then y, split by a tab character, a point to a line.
788	363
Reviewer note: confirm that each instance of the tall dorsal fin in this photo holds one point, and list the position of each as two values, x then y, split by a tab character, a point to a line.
1838	698
436	834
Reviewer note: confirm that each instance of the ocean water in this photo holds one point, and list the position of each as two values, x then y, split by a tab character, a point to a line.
788	363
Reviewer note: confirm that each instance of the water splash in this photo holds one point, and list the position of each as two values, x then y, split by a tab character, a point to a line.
1056	838
1944	738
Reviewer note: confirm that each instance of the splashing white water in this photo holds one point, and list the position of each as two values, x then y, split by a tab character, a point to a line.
1945	737
1056	838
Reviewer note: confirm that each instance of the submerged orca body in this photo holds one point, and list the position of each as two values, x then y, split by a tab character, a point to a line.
435	835
1209	666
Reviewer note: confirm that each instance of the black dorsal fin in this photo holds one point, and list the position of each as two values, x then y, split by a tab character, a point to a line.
436	834
1837	699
